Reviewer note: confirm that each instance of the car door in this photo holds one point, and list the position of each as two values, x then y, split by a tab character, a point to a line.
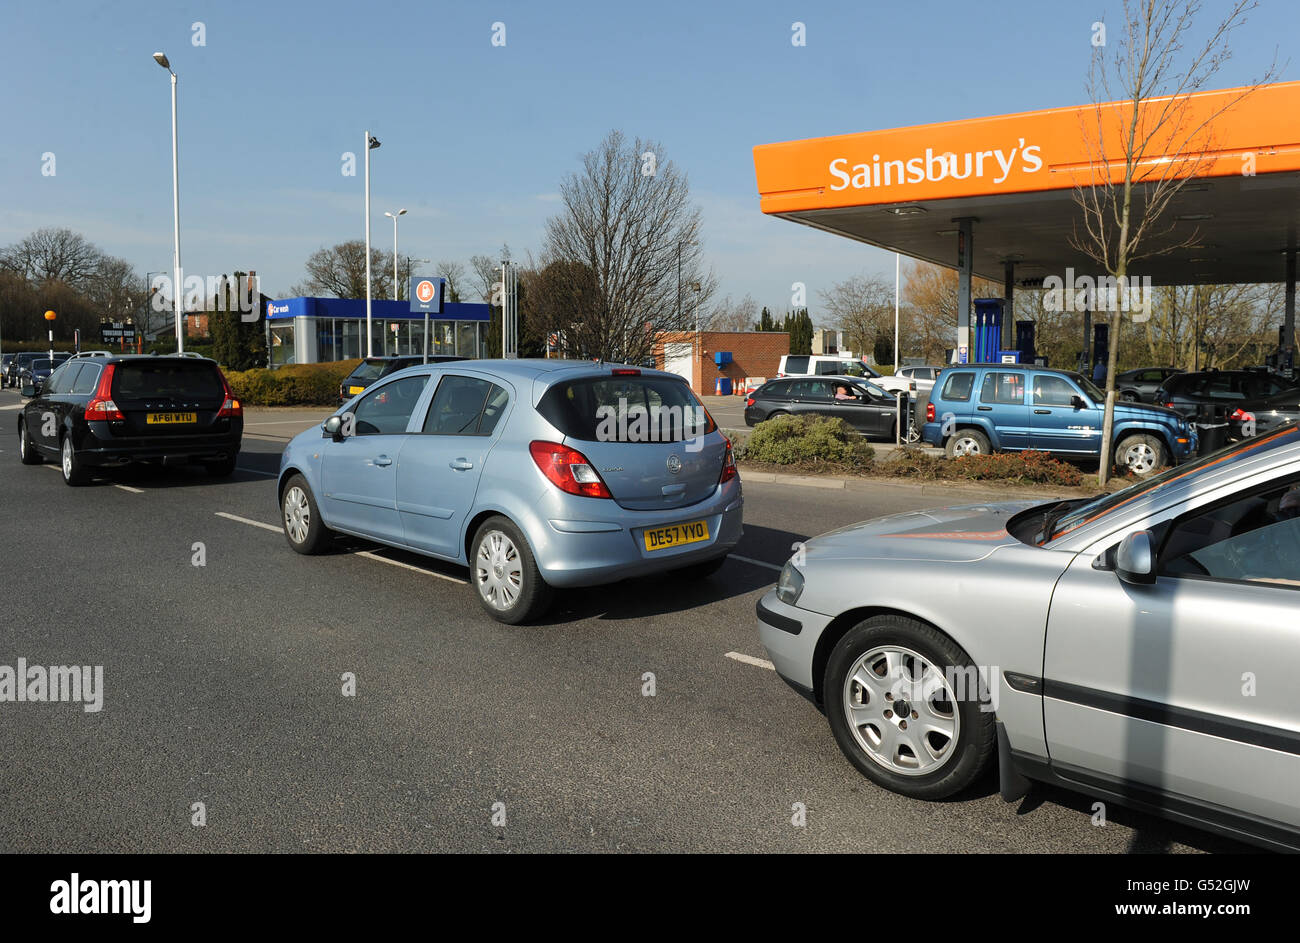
1002	401
872	411
53	406
1186	687
441	463
1058	423
812	397
358	471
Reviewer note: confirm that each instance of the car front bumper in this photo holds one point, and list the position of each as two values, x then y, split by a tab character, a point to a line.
790	635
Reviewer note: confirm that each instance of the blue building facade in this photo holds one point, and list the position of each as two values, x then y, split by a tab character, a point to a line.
319	330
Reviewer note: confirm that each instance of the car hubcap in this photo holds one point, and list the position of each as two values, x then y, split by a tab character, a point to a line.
966	446
22	443
1140	458
297	514
498	571
902	711
67	459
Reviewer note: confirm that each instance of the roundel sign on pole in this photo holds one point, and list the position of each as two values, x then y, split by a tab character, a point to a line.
426	294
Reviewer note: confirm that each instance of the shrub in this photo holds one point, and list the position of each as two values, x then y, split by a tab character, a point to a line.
807	440
309	384
1019	467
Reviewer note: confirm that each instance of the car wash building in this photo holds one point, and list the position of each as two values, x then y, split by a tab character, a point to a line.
996	197
318	330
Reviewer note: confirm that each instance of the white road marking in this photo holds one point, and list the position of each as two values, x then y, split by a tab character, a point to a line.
770	566
15	406
245	520
253	471
751	660
406	566
130	489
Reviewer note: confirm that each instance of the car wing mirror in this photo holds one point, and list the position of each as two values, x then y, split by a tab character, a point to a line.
1135	560
1078	402
29	390
333	428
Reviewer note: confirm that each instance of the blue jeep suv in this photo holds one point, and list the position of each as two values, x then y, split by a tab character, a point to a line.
981	408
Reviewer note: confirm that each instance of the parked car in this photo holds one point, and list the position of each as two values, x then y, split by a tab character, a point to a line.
1096	644
106	412
523	471
923	376
1261	416
805	365
376	368
14	368
867	408
1139	386
37	371
981	408
1221	390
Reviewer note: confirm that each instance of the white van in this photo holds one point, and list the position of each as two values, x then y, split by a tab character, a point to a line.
802	365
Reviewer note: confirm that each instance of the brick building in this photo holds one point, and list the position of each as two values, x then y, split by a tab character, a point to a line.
753	354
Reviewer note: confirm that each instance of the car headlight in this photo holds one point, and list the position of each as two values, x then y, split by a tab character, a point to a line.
790	585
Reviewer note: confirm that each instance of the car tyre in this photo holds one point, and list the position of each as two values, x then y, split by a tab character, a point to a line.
1143	455
702	570
504	573
926	664
300	517
222	469
967	442
27	453
1128	396
74	470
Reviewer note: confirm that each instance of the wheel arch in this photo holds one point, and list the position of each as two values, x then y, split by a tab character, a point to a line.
840	626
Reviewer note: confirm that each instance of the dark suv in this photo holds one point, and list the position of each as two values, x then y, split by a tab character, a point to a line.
111	411
16	365
374	368
1139	386
1223	391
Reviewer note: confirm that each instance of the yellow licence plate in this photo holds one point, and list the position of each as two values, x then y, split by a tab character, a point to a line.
674	535
168	419
352	390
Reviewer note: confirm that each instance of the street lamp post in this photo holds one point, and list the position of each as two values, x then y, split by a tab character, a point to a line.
161	59
394	216
370	145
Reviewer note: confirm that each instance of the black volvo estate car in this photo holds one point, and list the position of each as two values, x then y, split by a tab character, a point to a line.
105	412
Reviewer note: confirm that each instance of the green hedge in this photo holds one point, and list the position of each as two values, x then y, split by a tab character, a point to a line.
812	441
1018	467
309	384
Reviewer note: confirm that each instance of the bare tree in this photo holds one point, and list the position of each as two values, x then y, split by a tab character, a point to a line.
862	307
1163	143
627	216
49	255
728	315
454	272
341	271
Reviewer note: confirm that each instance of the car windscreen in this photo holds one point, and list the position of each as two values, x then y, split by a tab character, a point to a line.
625	409
143	380
1094	393
369	370
1103	505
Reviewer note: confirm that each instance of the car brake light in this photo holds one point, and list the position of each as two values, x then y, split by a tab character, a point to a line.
929	412
230	407
749	401
1242	416
101	407
1169	405
728	465
625	372
568	469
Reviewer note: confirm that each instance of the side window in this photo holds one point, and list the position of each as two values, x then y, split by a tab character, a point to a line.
819	390
86	380
1255	539
461	407
1005	388
61	379
799	388
1053	391
958	387
386	410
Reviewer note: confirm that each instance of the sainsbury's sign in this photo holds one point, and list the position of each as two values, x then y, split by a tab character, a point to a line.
994	165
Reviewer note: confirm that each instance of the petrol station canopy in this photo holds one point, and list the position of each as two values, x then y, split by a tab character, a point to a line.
1013	177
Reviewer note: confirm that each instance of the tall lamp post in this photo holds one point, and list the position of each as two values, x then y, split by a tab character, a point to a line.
394	216
161	59
371	143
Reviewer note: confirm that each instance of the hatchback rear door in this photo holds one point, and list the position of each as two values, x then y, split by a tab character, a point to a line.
168	396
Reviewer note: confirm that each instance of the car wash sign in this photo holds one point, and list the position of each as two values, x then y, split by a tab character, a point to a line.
426	294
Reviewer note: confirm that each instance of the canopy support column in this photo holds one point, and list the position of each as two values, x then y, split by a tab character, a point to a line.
1008	304
965	268
1288	325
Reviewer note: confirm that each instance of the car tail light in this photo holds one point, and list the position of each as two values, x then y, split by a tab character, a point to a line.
1242	416
230	407
568	469
749	400
929	412
625	372
728	466
101	407
1169	405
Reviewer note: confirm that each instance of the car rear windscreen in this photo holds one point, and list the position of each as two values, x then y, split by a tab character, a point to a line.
368	370
633	408
143	380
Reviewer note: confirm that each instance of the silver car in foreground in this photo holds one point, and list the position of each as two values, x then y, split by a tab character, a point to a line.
535	474
1141	647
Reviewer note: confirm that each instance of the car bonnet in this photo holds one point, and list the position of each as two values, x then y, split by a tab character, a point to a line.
964	533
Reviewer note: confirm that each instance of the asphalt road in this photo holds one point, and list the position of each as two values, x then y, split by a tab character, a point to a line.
223	686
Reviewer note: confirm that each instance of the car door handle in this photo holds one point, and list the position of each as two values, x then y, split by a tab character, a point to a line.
985	409
461	464
1042	412
381	460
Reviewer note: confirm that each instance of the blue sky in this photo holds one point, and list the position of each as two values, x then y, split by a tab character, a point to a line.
476	138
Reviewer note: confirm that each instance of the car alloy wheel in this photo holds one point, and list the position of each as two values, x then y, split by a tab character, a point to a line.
498	570
902	711
966	445
297	514
1140	458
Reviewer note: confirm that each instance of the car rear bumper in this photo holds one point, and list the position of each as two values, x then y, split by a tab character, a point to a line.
100	448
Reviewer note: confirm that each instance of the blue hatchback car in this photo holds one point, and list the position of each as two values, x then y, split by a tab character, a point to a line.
535	474
980	408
